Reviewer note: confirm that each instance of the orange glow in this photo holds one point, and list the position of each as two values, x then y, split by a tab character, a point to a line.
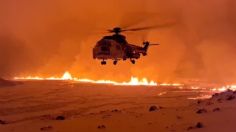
171	84
67	76
134	81
224	88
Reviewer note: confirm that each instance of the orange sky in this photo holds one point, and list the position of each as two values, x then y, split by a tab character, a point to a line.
47	37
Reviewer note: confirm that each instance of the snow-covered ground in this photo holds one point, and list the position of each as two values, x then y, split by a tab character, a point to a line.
65	106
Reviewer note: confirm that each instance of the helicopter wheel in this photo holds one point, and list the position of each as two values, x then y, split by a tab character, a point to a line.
132	61
115	62
103	62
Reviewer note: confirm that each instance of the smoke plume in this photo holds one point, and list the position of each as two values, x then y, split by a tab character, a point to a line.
49	37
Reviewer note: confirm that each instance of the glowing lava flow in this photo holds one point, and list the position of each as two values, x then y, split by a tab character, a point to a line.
225	88
134	81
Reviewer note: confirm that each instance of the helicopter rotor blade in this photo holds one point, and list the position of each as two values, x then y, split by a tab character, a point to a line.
154	44
110	30
149	27
119	29
138	29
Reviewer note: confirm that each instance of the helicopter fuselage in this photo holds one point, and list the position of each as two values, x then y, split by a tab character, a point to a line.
116	48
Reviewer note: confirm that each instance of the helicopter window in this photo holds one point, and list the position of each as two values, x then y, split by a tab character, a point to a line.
104	43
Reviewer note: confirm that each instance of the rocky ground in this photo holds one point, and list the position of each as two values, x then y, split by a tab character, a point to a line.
63	106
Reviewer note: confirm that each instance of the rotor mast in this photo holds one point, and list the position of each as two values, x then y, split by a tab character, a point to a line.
116	30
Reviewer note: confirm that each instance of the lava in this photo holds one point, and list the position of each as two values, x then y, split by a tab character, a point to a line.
67	76
134	81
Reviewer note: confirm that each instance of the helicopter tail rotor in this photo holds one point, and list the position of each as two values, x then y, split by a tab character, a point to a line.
147	44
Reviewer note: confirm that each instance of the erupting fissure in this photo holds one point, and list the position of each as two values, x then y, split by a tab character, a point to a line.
68	76
134	81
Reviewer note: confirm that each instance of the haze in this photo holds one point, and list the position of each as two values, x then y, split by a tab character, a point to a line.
49	37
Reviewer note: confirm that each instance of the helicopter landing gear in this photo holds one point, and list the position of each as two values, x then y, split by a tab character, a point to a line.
115	62
103	62
132	61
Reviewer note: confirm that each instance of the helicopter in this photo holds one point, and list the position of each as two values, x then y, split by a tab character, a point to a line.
115	47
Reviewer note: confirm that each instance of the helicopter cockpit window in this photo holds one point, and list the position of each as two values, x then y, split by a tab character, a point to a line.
103	42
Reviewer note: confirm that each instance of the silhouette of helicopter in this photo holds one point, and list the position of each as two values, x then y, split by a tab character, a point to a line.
115	47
